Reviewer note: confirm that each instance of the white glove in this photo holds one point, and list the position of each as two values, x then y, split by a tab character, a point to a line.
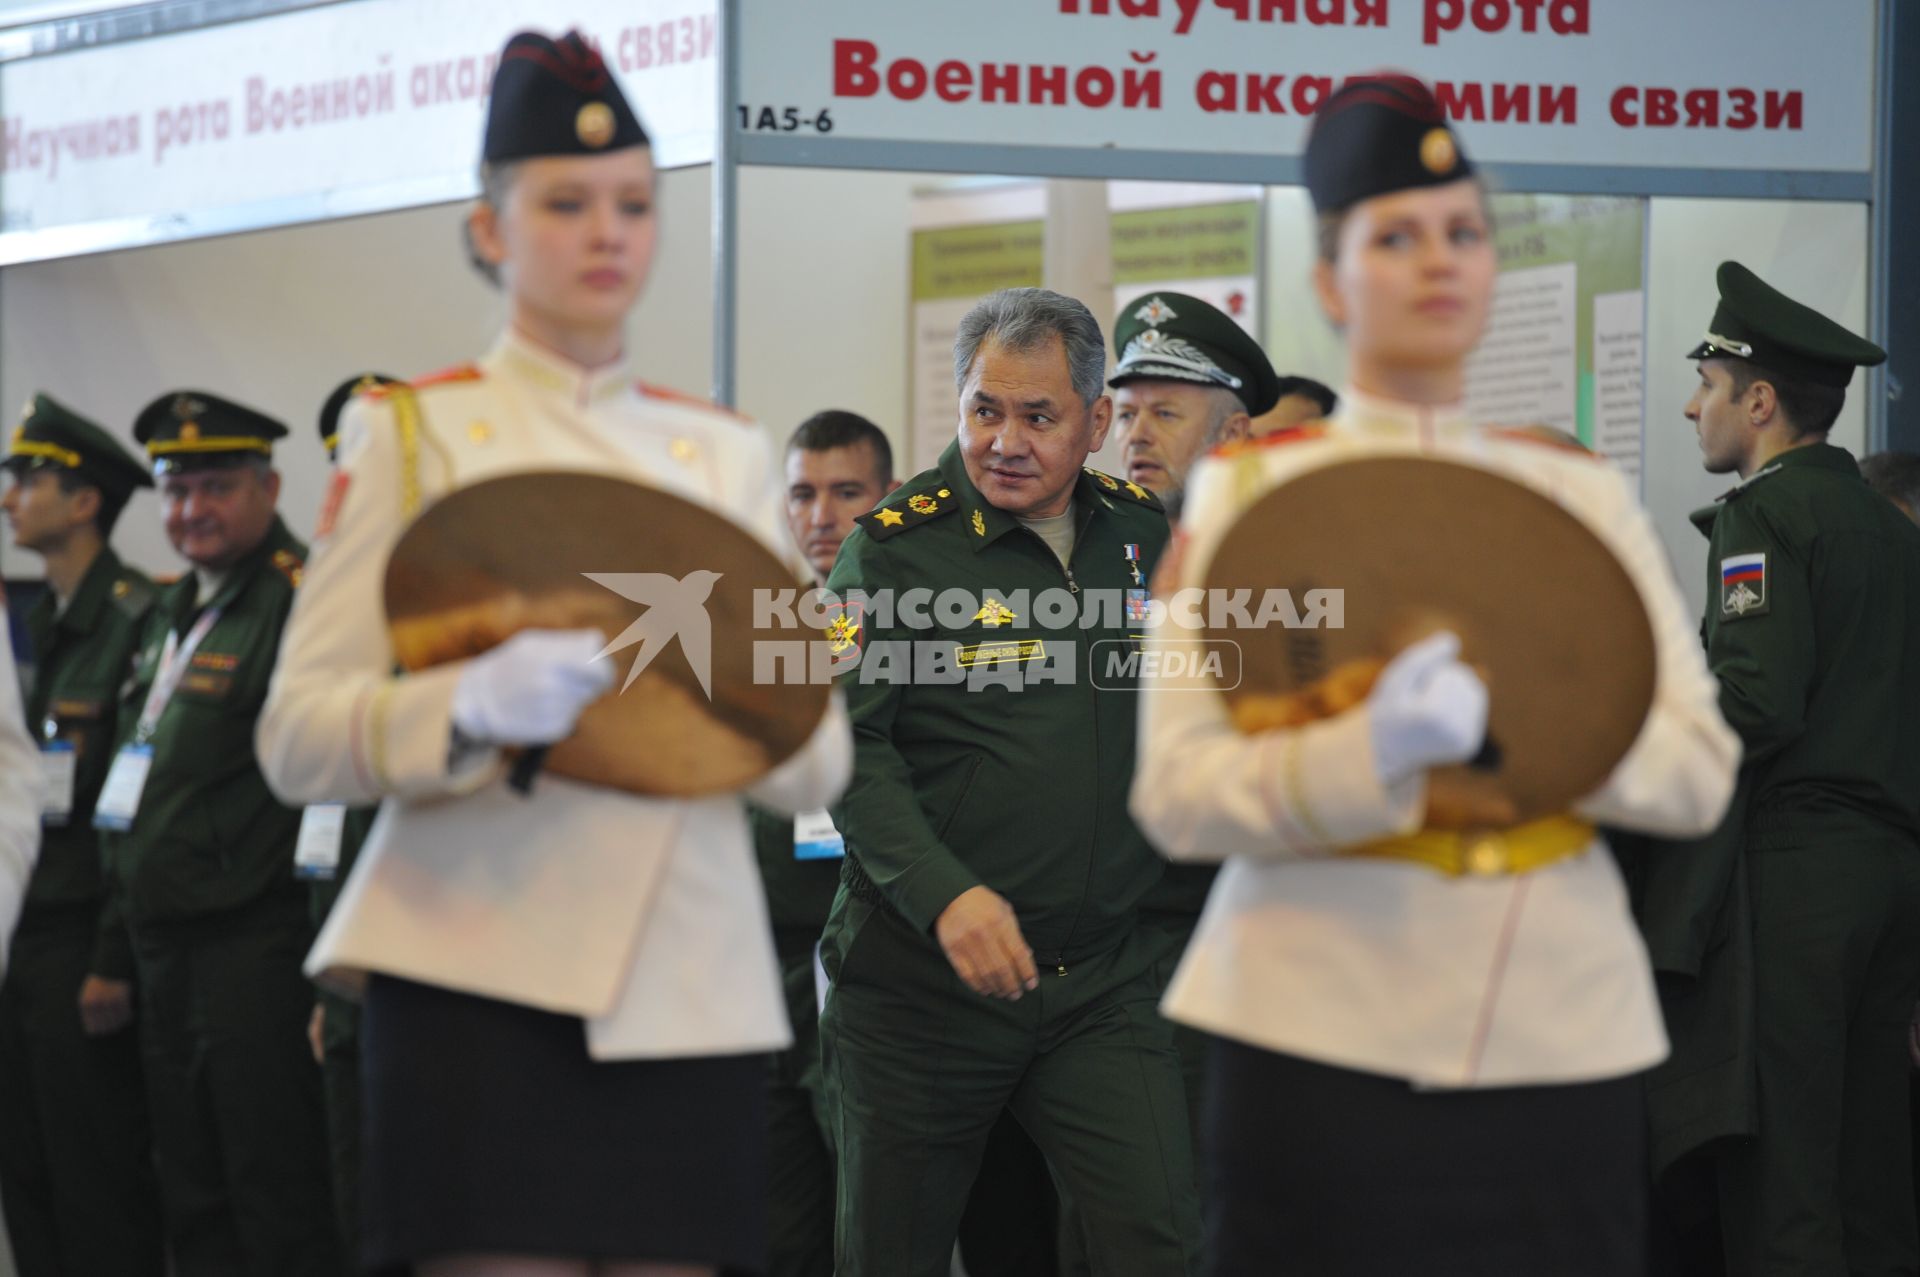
530	690
1426	709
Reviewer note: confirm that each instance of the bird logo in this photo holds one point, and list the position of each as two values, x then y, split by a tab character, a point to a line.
676	608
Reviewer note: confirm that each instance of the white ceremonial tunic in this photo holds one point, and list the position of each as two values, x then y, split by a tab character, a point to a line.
1388	966
19	798
644	916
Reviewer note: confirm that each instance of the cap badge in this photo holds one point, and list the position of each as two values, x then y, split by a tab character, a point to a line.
1438	152
1154	311
186	407
594	125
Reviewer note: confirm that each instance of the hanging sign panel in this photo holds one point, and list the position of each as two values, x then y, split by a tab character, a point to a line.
341	109
1715	84
966	244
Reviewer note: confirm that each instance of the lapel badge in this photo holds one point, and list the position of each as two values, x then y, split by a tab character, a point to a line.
993	612
979	525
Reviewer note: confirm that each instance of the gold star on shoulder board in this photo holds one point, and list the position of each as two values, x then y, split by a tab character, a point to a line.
889	518
1136	490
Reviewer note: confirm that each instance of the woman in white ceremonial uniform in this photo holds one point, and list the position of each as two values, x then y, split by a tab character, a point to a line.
1417	1072
569	994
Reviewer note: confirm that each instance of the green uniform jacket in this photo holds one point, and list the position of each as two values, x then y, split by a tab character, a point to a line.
81	660
1812	610
1021	789
1813	600
799	892
209	836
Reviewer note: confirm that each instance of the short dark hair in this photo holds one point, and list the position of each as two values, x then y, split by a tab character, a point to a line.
1896	476
107	513
1811	408
1319	392
837	428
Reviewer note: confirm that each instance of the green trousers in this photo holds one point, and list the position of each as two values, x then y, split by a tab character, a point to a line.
76	1170
1827	1187
799	1157
340	1077
239	1122
919	1068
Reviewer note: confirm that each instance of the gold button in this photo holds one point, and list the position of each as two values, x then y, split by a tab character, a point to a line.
945	493
683	450
1487	855
480	432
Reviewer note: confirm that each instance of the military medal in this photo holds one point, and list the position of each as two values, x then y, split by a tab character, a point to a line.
1132	553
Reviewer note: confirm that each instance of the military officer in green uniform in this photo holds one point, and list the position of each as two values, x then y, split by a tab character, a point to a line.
1813	605
839	465
203	855
1187	379
76	1177
330	839
984	946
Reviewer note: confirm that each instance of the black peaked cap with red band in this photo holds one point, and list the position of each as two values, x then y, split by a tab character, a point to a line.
556	97
1377	134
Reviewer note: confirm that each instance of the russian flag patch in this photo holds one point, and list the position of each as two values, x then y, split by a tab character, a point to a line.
1743	586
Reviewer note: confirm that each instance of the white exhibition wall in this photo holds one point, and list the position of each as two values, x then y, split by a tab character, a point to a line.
277	318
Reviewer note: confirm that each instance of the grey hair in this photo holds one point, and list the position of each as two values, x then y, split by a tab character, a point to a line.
1023	319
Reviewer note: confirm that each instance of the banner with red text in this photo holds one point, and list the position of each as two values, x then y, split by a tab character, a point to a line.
1705	84
341	109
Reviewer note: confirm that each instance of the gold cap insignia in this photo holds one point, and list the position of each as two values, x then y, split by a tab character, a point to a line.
594	125
1438	152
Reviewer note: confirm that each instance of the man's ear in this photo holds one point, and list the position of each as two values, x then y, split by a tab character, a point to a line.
1763	404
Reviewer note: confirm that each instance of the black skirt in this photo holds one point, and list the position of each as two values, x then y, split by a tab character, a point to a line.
1314	1171
488	1129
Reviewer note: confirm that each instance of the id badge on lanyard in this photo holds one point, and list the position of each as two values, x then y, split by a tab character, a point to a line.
815	838
127	778
316	855
57	767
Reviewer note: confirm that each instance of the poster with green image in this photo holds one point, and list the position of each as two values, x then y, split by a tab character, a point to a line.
1565	344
